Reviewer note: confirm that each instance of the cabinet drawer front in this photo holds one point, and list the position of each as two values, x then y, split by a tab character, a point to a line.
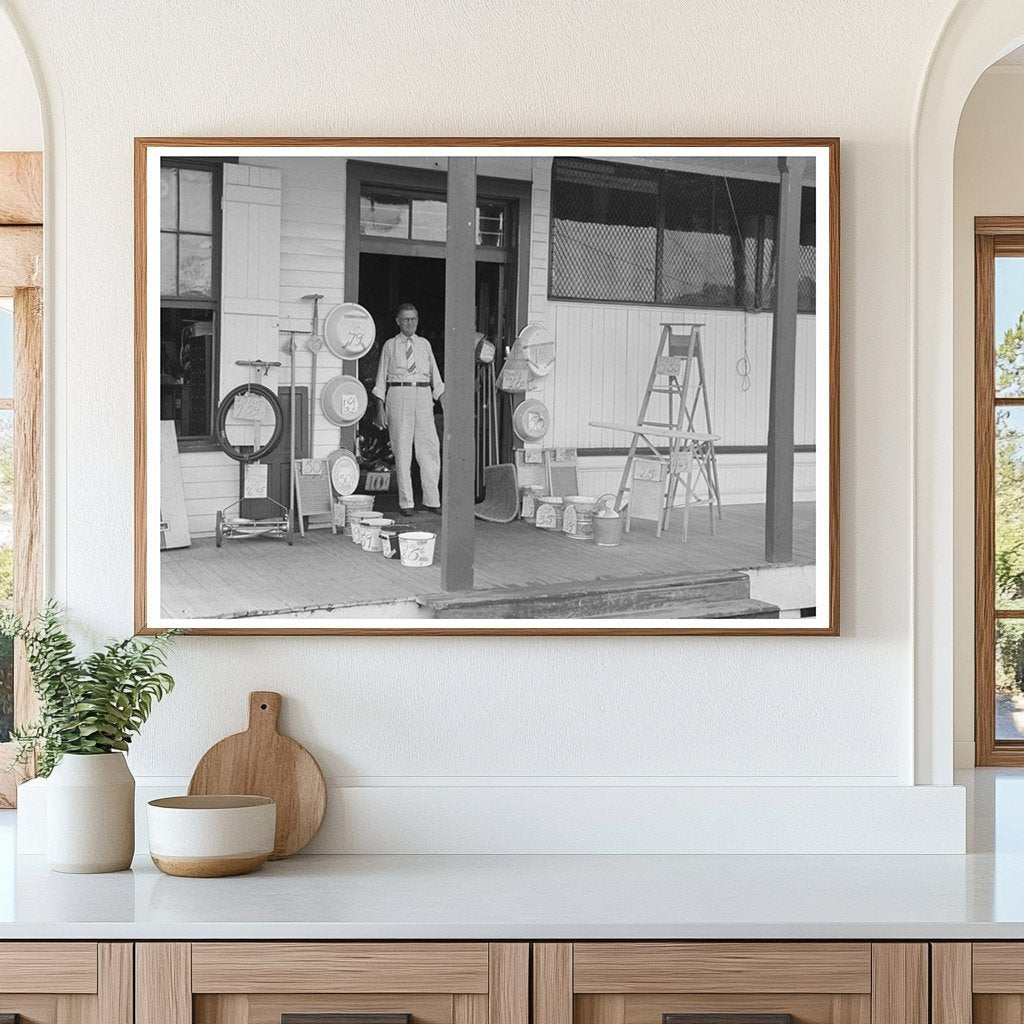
58	967
633	967
339	967
998	967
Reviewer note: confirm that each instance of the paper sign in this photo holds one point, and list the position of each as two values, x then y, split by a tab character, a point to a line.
248	406
255	480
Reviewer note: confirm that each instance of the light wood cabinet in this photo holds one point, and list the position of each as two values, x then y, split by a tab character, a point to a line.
494	983
309	982
66	982
753	982
978	983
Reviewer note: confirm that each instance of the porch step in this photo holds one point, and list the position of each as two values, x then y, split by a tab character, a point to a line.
748	609
633	597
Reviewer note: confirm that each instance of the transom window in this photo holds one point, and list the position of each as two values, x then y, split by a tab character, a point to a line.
423	217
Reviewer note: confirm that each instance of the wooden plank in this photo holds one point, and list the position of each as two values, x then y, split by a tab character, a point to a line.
28	483
163	983
552	983
172	491
998	967
899	990
115	983
21	188
340	967
951	1001
459	449
65	967
21	259
782	387
722	967
509	983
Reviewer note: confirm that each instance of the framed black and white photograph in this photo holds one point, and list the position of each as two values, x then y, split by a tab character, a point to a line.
487	386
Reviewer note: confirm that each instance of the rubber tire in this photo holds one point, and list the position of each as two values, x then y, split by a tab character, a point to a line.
222	416
220	528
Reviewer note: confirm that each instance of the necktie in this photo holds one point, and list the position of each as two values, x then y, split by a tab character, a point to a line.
410	359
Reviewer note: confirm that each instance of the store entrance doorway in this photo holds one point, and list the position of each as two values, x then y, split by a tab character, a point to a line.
386	280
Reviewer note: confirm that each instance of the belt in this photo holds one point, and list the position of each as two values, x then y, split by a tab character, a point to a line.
408	383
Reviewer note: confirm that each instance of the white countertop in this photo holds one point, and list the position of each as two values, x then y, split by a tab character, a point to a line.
977	896
517	897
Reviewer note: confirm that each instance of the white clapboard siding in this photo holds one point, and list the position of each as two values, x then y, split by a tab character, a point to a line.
312	261
310	257
540	222
742	477
604	357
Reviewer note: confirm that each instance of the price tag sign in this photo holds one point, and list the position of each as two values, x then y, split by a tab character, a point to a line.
349	331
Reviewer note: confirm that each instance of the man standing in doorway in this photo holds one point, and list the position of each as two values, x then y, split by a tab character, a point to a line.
408	383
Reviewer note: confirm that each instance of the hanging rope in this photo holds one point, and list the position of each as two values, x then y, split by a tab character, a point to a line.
743	363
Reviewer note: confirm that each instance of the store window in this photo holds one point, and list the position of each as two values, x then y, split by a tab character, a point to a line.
628	233
190	223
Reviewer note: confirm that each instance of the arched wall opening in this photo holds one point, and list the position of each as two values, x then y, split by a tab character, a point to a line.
986	183
976	35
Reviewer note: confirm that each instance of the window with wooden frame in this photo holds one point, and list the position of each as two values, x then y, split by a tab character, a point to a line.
21	366
190	286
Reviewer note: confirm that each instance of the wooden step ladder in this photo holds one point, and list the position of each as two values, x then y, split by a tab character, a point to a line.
651	479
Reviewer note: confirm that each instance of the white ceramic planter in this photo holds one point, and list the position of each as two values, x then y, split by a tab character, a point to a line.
90	814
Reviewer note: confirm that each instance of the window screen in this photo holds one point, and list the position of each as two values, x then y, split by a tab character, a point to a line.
621	233
604	232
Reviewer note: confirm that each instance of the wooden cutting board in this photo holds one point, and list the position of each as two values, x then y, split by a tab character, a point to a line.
262	762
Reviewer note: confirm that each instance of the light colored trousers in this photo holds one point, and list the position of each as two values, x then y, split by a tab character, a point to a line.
410	415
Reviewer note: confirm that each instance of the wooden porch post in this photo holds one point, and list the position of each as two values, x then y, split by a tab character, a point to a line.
458	454
778	522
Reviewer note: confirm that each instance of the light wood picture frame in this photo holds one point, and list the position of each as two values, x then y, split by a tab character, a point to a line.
584	248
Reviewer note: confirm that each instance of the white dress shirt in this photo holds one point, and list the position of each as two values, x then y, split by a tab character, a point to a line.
394	365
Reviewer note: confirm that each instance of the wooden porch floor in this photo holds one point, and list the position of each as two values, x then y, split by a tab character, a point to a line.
262	576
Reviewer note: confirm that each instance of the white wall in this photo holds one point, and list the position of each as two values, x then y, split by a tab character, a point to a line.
451	715
987	182
21	126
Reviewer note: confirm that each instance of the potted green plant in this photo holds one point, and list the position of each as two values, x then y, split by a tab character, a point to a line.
89	710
